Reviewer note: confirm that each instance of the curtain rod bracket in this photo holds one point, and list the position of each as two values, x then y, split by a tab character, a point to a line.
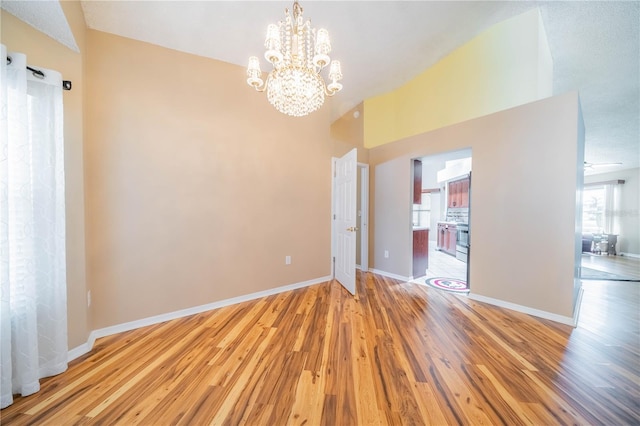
35	72
66	84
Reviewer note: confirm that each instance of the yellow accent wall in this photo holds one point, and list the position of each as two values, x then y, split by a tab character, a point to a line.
508	65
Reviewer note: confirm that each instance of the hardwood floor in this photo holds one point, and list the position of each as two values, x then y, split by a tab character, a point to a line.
621	265
397	353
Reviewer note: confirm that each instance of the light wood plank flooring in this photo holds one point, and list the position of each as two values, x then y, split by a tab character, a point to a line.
397	353
628	267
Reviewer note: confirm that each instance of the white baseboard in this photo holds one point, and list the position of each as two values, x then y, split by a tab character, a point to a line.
576	309
132	325
637	256
390	275
84	348
529	311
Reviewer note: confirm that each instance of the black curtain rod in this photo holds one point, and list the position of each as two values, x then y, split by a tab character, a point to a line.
66	84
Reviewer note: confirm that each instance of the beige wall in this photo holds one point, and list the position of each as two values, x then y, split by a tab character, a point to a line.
629	213
523	218
390	218
349	128
43	51
347	132
197	188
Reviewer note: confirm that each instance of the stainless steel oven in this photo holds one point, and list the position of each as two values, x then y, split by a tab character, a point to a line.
462	241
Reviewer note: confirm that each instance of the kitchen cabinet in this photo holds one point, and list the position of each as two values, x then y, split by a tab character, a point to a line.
452	194
420	251
451	240
446	240
464	193
458	193
417	182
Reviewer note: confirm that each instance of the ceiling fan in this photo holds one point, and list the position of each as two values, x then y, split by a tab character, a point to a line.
588	165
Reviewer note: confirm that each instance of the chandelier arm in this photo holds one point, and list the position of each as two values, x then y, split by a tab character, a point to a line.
329	93
318	69
264	85
261	88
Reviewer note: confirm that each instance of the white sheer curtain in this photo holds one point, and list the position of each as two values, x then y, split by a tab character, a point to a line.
612	209
32	228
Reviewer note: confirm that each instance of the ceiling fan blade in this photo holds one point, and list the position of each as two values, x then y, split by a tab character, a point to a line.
588	165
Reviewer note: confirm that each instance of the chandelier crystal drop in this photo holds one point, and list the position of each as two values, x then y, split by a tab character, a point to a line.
298	54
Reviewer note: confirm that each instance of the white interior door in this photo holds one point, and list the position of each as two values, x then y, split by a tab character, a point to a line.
345	171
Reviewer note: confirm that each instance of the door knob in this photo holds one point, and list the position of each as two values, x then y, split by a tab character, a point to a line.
352	229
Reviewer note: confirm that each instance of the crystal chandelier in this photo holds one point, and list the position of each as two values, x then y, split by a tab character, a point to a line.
298	54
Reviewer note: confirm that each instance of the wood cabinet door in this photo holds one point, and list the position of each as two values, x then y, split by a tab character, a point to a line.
455	194
451	194
420	252
417	182
458	193
464	193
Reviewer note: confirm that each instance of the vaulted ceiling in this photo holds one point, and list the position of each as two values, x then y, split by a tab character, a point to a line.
382	44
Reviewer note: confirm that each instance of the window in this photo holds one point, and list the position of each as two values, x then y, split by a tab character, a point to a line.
593	209
601	208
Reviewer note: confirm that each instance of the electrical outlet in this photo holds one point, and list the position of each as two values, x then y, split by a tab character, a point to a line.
89	299
287	260
386	254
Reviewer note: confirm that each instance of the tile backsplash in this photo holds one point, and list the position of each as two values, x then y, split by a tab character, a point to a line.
460	215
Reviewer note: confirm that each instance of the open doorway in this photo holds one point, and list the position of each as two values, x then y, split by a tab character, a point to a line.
442	209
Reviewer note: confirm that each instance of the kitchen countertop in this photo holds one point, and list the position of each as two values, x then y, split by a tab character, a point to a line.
420	228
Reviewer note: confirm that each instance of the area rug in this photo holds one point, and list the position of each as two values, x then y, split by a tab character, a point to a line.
594	274
448	284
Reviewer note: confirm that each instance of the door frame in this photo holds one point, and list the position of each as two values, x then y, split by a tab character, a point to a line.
364	218
464	152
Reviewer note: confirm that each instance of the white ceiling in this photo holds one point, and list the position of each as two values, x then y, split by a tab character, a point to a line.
46	16
382	44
